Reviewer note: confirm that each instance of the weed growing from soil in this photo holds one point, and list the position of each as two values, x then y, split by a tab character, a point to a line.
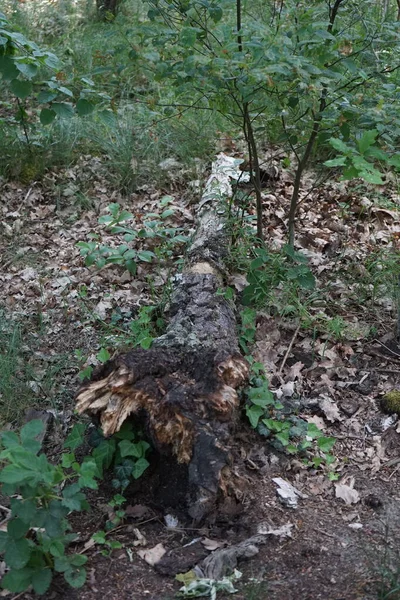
273	420
44	494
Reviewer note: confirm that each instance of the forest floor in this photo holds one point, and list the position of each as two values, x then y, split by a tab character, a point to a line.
343	542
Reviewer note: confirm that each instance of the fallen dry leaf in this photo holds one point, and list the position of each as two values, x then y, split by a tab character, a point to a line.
153	555
346	493
212	544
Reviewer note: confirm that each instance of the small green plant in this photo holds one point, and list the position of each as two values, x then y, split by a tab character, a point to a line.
267	415
100	537
117	512
43	495
359	161
124	453
270	269
123	254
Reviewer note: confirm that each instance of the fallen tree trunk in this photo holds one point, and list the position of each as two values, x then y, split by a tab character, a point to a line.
186	384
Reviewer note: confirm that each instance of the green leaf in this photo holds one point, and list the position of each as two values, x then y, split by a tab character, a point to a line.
63	110
24	509
47	116
14	474
283	437
261	396
340	146
254	413
140	467
73	498
84	107
313	431
367	139
128	448
126	432
66	91
394	161
306	281
17	529
372	176
3	540
9	439
124	470
8	70
107	117
146	255
57	548
146	342
41	580
325	444
76	436
30	431
17	553
21	89
78	560
215	13
87	473
103	356
61	564
75	577
67	459
336	162
99	537
46	96
104	453
17	580
27	69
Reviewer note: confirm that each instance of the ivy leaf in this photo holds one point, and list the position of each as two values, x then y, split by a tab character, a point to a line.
76	436
21	89
124	470
103	454
325	444
254	413
140	467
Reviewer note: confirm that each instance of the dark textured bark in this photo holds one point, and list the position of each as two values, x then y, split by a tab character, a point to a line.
185	387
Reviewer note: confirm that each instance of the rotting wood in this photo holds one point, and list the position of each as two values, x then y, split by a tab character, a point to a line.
185	386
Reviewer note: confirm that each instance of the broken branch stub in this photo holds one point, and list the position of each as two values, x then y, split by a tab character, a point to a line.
185	386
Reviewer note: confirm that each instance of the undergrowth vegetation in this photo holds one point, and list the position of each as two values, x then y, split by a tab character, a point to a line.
142	100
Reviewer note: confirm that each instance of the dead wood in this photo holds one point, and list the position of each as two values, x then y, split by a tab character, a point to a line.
185	387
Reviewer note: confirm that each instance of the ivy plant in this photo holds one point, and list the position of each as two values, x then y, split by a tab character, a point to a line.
124	453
